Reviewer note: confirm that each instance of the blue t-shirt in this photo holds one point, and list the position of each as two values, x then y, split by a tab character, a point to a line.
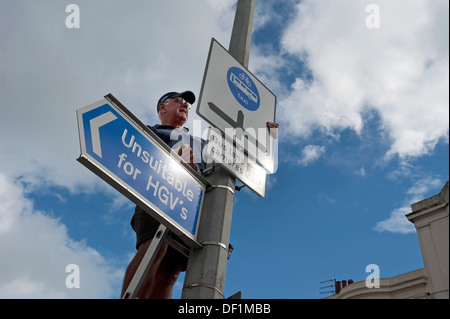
174	138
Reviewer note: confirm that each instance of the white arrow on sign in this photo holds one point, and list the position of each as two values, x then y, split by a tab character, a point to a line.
96	123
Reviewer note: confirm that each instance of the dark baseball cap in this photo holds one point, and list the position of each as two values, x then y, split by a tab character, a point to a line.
187	95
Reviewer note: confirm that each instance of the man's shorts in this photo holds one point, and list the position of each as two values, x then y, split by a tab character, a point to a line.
145	227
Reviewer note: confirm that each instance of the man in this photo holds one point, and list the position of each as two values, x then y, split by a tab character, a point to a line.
173	111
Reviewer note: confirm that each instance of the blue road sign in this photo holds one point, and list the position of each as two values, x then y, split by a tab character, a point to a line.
243	88
126	154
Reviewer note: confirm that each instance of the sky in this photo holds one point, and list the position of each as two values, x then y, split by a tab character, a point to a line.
362	103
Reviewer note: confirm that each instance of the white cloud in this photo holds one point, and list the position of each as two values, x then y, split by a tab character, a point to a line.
36	248
422	187
310	154
397	221
400	69
265	65
361	172
325	199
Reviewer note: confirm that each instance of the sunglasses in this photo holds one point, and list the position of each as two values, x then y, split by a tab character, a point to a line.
181	101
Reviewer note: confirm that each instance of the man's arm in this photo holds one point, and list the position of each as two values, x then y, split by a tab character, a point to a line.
187	154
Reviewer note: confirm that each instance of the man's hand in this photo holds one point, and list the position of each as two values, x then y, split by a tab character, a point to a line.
273	129
187	154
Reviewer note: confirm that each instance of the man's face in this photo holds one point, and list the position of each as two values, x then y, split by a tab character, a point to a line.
174	112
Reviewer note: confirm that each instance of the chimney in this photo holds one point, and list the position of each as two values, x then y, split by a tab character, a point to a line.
344	283
338	286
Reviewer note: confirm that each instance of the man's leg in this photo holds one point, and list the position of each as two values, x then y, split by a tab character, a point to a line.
165	279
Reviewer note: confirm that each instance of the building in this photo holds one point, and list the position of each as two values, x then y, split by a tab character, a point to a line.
430	218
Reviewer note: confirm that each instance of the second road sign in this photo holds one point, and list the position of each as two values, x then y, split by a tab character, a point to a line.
234	100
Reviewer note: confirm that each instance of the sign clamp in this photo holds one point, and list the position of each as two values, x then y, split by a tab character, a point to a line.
223	187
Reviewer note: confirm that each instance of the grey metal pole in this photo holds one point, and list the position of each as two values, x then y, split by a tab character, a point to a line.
241	37
205	275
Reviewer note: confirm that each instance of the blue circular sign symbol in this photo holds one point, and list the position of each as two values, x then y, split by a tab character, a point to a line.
243	88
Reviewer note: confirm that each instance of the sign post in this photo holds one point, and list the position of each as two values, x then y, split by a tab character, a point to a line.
205	275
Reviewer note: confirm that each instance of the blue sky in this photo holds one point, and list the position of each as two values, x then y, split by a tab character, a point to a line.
363	116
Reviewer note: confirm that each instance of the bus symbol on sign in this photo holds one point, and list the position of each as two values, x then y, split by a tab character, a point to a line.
243	88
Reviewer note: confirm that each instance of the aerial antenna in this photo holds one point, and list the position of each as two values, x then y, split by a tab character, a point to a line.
332	286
